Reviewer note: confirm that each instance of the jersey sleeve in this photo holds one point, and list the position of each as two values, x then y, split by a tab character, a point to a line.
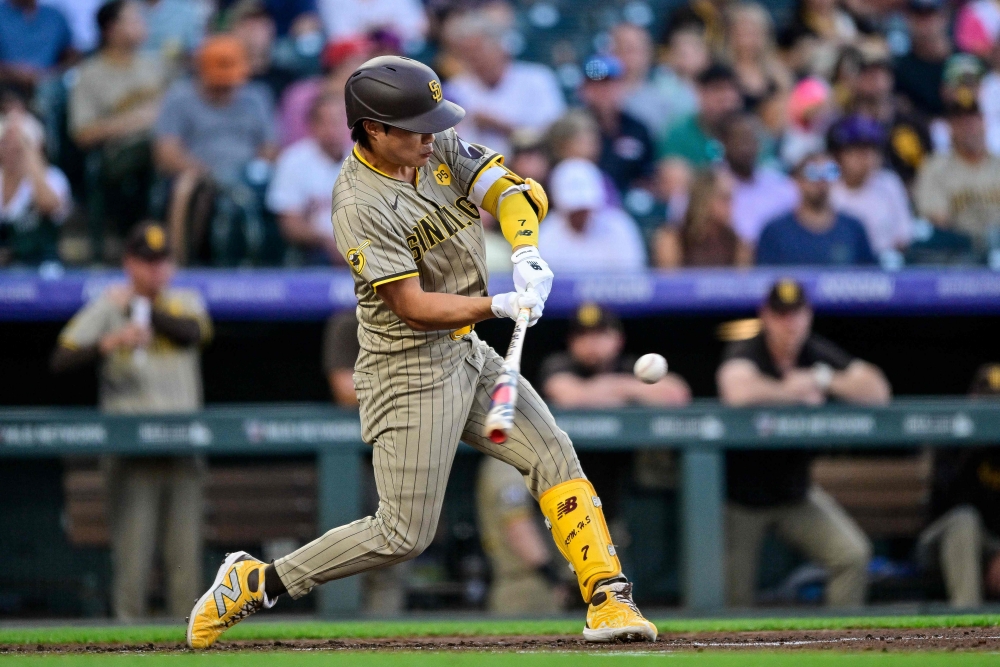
465	161
88	326
371	247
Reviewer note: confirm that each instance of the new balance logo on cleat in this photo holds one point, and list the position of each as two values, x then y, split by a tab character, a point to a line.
231	592
565	507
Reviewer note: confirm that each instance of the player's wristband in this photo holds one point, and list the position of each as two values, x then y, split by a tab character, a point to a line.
549	572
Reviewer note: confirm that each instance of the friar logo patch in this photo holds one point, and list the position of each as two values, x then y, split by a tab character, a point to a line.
356	257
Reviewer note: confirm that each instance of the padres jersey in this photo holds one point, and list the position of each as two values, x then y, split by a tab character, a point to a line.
390	229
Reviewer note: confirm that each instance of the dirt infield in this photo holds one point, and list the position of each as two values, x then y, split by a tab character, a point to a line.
951	639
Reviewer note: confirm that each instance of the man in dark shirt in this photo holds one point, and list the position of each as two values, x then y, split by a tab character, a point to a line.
919	73
814	233
964	542
627	150
787	364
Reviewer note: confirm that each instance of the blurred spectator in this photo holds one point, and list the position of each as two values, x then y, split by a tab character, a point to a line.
813	40
815	233
706	237
340	352
963	543
708	17
255	28
960	191
909	140
112	109
761	192
348	18
810	110
920	72
661	96
215	125
297	18
627	149
593	372
574	135
695	139
34	196
752	53
145	338
526	578
787	364
176	28
977	30
499	95
300	193
34	40
79	16
582	233
866	191
339	60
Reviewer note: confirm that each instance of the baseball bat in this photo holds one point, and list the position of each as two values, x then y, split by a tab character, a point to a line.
503	397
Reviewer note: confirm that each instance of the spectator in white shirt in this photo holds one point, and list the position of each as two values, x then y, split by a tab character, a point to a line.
874	195
761	193
300	193
499	95
582	233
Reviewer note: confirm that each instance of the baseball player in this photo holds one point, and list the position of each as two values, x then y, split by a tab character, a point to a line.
405	216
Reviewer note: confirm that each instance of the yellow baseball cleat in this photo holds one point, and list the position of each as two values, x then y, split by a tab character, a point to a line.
612	616
237	592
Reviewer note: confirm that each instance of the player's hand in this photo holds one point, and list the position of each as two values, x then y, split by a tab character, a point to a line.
128	337
802	387
509	304
531	272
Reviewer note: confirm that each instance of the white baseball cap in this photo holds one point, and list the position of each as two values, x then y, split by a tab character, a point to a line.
576	184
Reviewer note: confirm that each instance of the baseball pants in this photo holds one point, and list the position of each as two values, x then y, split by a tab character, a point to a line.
959	545
416	406
817	526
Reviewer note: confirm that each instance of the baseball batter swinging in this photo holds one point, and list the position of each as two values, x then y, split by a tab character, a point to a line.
405	216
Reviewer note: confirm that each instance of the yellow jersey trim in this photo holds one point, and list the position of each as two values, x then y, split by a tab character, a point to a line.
390	279
357	154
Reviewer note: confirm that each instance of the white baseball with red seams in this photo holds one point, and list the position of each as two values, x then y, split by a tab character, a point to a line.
650	368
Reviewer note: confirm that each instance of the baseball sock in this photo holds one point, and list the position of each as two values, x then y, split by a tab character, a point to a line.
272	583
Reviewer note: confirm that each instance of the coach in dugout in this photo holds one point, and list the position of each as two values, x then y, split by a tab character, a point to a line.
787	364
145	338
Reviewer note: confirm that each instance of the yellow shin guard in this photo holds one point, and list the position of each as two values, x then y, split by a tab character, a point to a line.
573	513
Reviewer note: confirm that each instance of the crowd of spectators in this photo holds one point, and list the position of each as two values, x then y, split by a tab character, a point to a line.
720	133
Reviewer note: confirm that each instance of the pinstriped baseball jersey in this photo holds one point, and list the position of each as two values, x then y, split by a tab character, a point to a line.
390	229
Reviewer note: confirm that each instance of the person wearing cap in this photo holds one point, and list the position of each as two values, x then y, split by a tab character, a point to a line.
145	338
815	233
695	139
787	364
300	191
406	218
40	201
112	109
627	149
962	543
960	191
875	196
500	95
210	131
920	73
584	234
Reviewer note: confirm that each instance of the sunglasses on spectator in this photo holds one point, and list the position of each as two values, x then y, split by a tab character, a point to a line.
816	172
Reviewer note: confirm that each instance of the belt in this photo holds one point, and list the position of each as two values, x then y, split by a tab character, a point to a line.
458	333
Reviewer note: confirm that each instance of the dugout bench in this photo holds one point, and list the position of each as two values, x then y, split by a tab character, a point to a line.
700	433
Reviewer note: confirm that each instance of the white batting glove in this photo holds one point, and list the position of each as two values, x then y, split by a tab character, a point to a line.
509	304
531	272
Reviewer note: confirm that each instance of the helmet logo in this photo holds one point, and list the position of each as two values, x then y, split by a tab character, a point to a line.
436	91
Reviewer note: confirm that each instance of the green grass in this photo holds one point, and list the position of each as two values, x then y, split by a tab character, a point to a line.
428	659
429	628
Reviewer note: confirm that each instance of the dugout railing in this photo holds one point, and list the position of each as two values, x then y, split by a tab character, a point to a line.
700	434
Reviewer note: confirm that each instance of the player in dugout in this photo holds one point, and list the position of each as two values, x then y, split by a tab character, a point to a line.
788	364
406	216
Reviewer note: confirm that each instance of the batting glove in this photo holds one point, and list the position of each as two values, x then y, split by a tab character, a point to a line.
509	304
531	272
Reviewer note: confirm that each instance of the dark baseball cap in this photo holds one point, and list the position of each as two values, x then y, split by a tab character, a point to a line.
787	295
716	73
603	67
924	6
591	317
148	241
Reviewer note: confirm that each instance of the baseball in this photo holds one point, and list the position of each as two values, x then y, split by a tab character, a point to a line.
650	368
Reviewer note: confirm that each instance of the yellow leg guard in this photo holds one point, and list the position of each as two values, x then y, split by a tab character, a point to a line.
573	513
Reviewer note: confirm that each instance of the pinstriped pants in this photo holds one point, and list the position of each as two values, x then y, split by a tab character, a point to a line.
415	408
